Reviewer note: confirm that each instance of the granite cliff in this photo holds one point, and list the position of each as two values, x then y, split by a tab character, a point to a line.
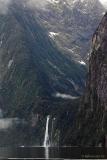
90	126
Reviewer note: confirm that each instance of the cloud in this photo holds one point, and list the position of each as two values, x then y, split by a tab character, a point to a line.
104	3
41	4
64	96
4	6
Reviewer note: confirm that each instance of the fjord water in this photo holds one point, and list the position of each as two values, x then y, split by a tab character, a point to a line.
61	153
10	132
52	153
14	143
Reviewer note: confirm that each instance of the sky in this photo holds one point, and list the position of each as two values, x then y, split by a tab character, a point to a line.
4	6
32	3
104	2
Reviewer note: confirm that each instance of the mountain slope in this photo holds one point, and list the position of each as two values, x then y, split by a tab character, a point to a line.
31	67
71	25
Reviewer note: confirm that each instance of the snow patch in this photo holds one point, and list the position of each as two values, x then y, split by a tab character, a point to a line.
70	50
74	1
103	13
53	34
64	96
53	1
10	63
82	62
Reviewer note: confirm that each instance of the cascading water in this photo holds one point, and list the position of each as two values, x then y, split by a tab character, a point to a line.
46	138
1	113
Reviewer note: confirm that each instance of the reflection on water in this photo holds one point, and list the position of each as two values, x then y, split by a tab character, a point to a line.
35	152
61	153
46	152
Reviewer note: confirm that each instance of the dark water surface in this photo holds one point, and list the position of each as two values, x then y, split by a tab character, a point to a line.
51	153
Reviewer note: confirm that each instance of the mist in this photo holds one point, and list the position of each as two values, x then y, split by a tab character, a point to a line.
41	4
4	6
5	123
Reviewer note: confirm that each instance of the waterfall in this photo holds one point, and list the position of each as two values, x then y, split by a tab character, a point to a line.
46	138
1	113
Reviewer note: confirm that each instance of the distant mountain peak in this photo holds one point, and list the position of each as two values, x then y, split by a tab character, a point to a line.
75	22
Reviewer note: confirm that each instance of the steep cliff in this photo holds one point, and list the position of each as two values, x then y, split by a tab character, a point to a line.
91	123
36	80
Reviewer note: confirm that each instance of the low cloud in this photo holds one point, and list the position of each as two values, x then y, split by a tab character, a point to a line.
5	123
41	4
4	6
64	96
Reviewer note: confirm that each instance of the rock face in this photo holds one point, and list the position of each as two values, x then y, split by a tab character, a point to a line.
98	66
91	121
